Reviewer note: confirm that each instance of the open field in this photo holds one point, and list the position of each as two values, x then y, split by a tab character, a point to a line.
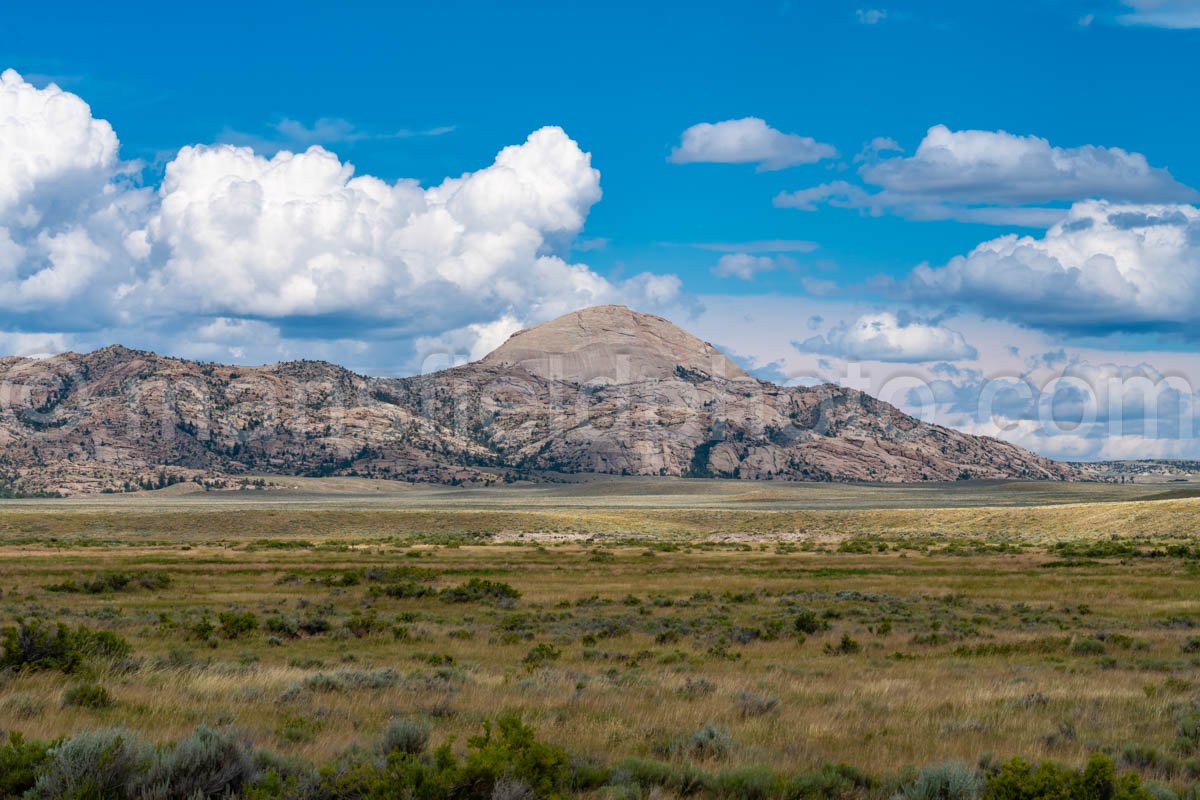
881	627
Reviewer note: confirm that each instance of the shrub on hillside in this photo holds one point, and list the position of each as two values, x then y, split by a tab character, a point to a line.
949	781
105	763
35	645
404	735
20	763
480	590
1018	779
807	622
88	695
211	762
235	623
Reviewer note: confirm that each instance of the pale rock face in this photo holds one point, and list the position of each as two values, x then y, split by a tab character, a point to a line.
603	390
611	345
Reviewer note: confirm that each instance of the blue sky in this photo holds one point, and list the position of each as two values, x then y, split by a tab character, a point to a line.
774	228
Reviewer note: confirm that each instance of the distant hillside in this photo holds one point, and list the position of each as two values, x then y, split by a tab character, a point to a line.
604	390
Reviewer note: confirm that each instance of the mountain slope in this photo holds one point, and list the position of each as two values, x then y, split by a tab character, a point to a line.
605	390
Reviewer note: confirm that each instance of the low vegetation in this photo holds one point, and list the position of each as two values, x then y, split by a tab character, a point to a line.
229	660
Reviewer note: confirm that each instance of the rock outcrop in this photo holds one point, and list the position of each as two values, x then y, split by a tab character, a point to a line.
604	390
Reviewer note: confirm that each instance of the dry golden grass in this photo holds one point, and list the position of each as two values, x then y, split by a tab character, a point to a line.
943	579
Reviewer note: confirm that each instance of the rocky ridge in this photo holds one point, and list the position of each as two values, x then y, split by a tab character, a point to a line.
604	390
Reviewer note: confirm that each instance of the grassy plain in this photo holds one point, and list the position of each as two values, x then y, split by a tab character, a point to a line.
878	626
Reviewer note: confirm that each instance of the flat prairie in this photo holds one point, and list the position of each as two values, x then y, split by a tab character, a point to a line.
882	627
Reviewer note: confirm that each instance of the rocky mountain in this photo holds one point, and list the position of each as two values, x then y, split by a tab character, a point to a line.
604	390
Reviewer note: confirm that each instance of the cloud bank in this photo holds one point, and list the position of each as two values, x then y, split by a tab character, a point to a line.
992	177
294	242
1105	267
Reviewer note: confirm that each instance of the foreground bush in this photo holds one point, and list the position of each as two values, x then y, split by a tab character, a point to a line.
210	763
20	764
507	761
106	763
1020	780
949	781
35	645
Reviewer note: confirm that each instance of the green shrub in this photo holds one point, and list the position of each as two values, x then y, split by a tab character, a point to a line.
204	629
683	779
314	625
846	646
511	749
20	763
211	762
101	764
105	582
297	728
88	695
808	623
282	625
404	735
479	590
405	591
36	646
235	624
1087	647
1188	732
1148	759
830	781
952	780
1018	779
745	783
363	625
1191	644
541	655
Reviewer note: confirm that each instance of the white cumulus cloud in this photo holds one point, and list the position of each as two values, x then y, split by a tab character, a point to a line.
63	218
1105	267
749	140
233	240
994	177
883	336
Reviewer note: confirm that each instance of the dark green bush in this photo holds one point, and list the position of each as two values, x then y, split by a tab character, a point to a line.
745	783
1018	779
479	590
404	591
362	625
808	623
105	582
88	695
282	625
1087	647
846	646
235	624
829	782
20	763
540	655
34	645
